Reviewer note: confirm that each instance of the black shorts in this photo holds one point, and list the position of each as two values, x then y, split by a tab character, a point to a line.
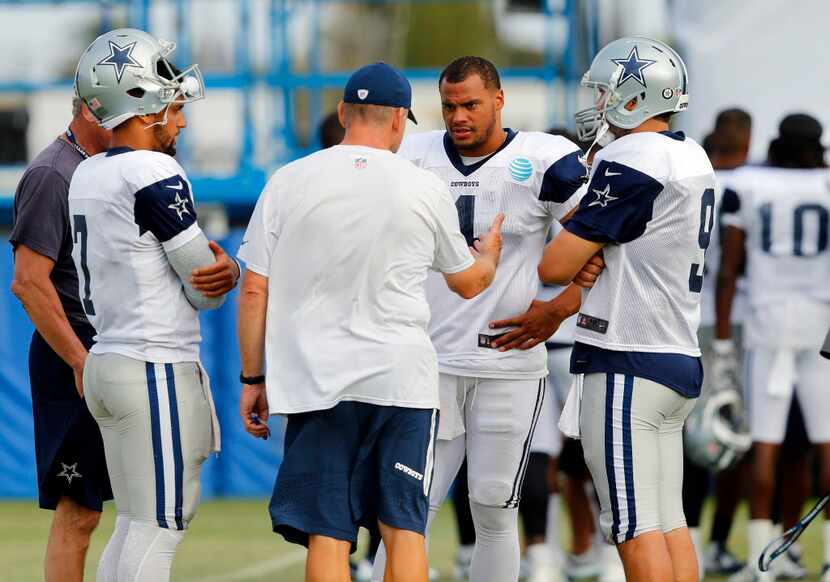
352	465
68	444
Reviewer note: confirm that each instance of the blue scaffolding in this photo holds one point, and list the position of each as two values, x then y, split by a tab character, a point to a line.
282	81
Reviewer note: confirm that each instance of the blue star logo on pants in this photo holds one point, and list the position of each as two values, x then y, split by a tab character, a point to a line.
120	57
633	67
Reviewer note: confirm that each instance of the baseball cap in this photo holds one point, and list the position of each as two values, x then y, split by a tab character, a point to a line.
379	84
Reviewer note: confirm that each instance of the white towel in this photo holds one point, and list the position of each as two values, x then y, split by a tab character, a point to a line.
216	440
569	420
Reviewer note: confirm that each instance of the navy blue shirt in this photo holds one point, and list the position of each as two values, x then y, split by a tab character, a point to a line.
41	221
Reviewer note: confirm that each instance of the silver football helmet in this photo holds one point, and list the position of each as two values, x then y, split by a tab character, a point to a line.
125	72
715	437
645	70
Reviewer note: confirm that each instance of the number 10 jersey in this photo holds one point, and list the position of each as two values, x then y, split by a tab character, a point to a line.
651	201
785	214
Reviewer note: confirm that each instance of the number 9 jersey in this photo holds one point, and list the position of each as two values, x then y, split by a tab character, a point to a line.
651	200
785	214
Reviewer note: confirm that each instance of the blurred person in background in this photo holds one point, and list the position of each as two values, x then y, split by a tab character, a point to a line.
776	219
71	466
492	364
330	132
336	253
728	148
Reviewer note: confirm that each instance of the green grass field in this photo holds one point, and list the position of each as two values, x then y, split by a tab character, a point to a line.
231	541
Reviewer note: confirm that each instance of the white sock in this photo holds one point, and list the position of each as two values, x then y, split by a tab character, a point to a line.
552	529
538	555
697	542
148	553
826	540
108	564
465	553
760	534
496	557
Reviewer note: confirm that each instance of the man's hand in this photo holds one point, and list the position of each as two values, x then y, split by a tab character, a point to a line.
217	279
489	244
590	272
534	326
254	400
78	372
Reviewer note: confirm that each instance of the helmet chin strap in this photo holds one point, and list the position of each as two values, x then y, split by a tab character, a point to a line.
600	138
163	120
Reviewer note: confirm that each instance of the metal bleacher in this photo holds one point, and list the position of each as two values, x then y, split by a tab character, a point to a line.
282	81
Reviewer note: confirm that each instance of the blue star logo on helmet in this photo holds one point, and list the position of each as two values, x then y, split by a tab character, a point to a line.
120	57
520	169
633	67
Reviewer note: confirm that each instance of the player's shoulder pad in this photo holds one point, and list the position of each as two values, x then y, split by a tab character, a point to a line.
143	167
416	146
163	199
647	152
560	161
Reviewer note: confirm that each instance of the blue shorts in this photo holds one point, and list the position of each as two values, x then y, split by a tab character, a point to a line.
351	466
68	444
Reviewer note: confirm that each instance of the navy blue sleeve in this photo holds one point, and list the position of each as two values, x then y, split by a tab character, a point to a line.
563	178
618	206
730	203
165	208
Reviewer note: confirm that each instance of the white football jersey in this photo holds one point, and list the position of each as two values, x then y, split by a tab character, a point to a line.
534	178
785	214
651	199
713	255
346	237
567	330
126	209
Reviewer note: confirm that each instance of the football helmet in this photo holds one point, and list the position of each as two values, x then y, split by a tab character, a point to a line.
715	437
645	70
125	72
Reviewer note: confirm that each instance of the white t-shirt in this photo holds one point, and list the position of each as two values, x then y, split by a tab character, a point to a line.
534	179
651	200
346	237
785	214
128	208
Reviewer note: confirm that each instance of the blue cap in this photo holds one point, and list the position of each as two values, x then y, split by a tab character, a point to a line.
379	84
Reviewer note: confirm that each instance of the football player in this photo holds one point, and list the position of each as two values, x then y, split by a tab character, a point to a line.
136	245
777	225
727	147
492	394
650	208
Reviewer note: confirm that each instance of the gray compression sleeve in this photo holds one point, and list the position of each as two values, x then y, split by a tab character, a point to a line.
187	257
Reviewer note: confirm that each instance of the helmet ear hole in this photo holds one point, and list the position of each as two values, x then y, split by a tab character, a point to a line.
136	92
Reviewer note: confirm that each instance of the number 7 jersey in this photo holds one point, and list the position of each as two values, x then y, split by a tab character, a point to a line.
651	201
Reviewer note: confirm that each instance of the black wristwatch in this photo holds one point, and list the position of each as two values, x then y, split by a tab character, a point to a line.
253	380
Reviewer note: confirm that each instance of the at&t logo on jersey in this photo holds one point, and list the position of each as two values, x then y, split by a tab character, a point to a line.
520	169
